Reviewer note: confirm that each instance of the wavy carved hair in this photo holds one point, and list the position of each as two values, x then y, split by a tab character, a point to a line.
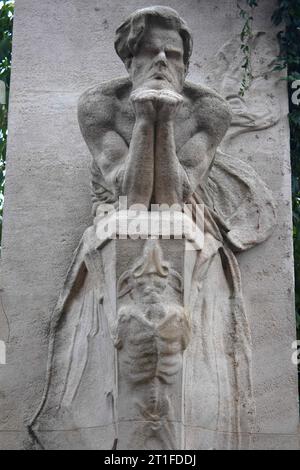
130	33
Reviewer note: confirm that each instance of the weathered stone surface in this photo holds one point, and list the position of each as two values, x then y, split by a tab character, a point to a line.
47	199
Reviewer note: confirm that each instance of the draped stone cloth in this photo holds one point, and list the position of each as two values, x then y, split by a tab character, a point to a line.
219	409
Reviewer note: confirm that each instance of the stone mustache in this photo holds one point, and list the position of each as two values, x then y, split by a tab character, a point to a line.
150	345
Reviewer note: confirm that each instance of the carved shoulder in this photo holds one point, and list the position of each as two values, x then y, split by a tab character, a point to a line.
97	107
212	112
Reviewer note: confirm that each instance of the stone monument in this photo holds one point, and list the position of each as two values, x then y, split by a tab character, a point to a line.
154	138
150	344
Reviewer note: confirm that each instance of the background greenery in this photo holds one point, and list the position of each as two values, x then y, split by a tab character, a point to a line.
286	16
6	25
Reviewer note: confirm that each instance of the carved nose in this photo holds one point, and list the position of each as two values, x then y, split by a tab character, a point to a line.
161	58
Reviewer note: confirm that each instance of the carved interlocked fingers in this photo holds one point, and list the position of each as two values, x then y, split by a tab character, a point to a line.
156	105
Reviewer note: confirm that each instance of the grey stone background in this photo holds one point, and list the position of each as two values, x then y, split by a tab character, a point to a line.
60	48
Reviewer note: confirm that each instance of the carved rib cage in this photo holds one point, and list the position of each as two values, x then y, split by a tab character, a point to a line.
153	349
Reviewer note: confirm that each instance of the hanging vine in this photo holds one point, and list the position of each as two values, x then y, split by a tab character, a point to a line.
246	39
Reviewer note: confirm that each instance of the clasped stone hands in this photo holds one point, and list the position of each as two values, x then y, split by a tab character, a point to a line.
155	105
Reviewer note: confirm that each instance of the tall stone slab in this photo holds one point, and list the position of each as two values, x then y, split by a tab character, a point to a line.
59	50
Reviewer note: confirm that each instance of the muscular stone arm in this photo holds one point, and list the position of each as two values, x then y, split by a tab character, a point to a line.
170	177
138	168
151	169
196	158
197	155
177	175
128	169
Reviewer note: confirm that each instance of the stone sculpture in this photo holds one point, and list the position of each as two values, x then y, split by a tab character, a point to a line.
152	332
145	344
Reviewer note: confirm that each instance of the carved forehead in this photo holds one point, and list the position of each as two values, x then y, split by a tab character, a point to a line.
159	36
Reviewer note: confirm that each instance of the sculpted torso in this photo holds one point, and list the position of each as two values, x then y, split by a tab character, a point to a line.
153	135
153	346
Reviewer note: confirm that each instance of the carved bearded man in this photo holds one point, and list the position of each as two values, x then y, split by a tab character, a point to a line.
154	138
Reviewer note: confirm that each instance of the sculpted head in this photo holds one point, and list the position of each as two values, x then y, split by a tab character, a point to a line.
149	278
155	45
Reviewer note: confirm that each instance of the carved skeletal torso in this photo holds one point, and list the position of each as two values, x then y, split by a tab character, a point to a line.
153	345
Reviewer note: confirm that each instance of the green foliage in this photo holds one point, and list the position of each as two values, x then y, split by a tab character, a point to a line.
246	37
6	25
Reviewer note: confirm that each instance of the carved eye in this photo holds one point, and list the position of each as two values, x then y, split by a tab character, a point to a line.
149	52
173	55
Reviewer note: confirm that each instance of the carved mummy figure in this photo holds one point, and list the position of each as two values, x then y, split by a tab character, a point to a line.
152	332
152	328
